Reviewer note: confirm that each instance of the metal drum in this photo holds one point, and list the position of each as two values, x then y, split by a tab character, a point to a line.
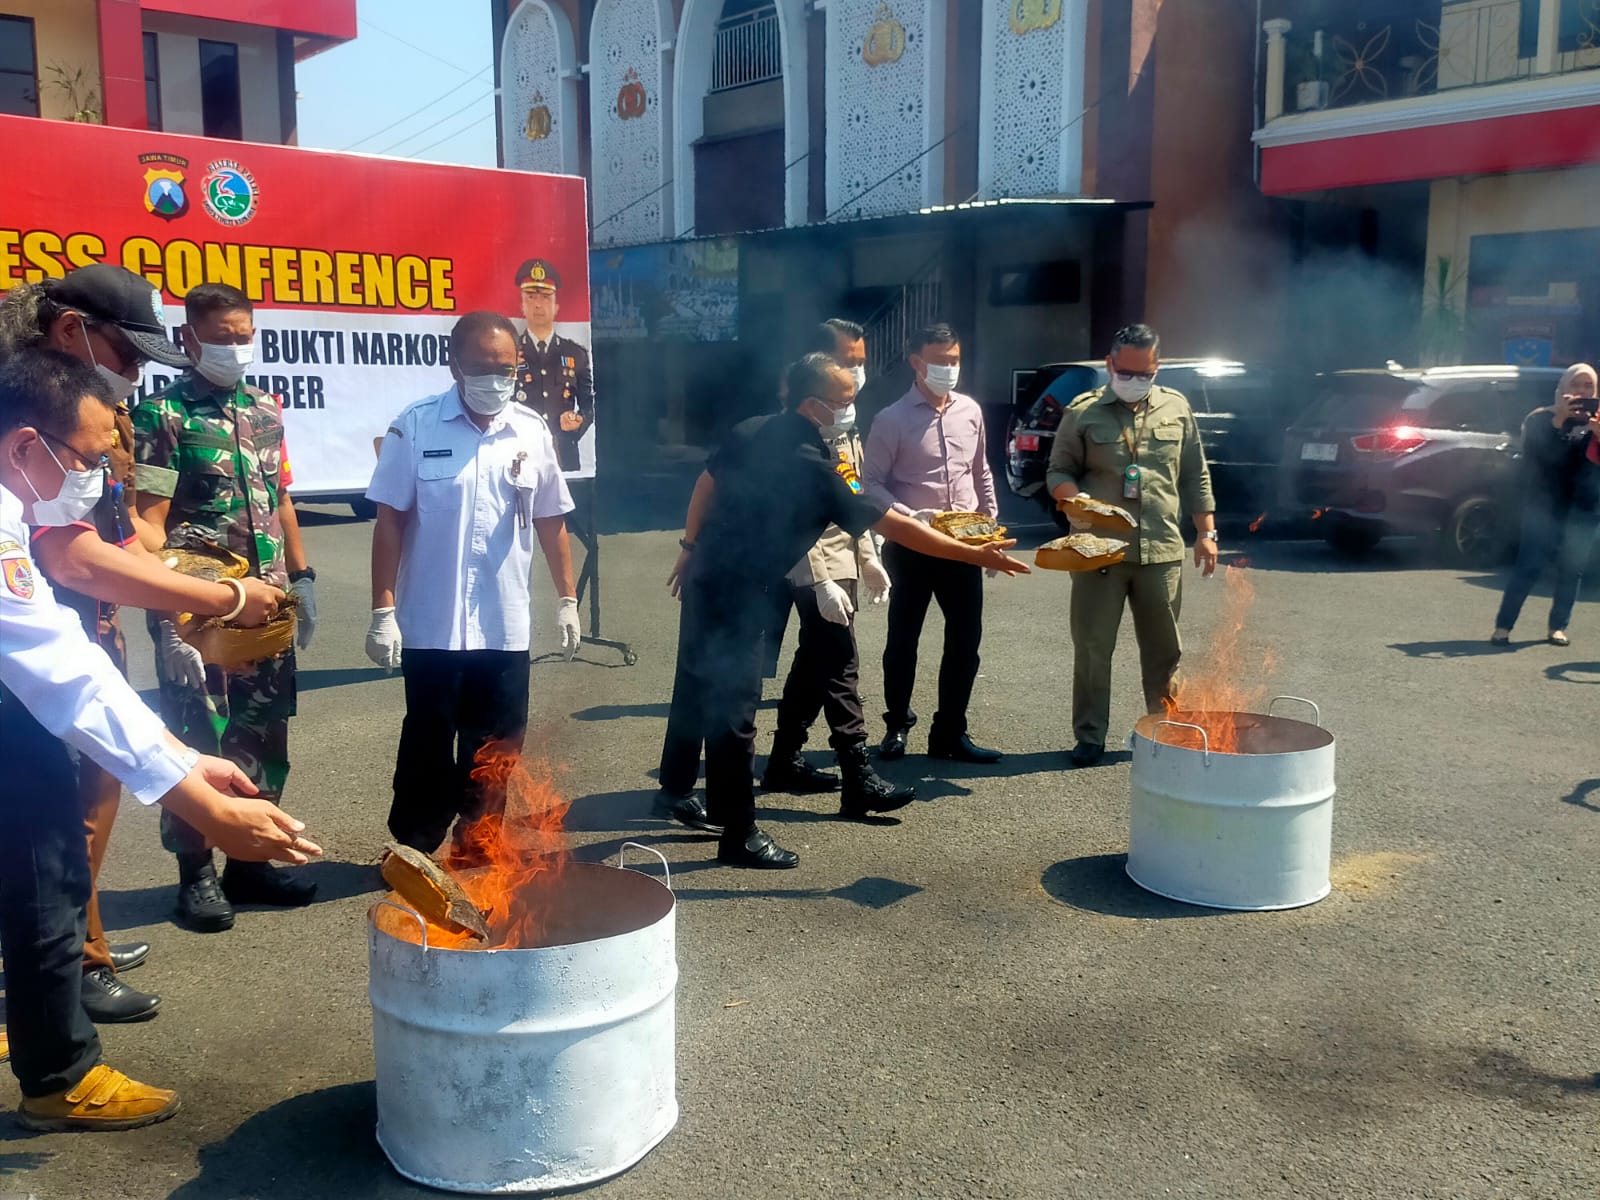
1250	830
503	1071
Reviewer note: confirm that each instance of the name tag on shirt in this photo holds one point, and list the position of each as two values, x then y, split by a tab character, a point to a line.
437	453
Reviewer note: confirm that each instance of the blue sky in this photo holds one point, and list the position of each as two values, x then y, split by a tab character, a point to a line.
416	83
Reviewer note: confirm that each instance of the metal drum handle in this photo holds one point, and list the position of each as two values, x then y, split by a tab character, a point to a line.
1312	704
410	912
1205	738
666	871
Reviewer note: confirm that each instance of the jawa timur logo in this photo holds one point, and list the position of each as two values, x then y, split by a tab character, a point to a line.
164	196
229	194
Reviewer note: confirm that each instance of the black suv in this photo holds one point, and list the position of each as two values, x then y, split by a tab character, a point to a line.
1241	409
1426	452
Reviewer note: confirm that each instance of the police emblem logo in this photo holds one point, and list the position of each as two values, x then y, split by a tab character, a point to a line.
848	473
229	193
18	574
164	194
537	274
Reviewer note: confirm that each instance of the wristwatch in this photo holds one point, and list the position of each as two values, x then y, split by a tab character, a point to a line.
309	573
1210	535
686	543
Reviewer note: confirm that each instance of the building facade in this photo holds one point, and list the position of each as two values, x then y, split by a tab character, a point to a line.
1477	122
993	162
205	67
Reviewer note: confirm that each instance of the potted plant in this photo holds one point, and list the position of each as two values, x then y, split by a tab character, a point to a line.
1311	76
83	102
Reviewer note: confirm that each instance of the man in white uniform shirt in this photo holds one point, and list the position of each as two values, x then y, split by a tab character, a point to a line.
464	484
59	689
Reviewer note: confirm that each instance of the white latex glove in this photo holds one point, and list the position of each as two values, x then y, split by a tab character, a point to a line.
181	661
567	623
874	581
926	515
383	639
305	593
834	602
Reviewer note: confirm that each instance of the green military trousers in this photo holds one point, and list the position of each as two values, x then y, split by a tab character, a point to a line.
1155	594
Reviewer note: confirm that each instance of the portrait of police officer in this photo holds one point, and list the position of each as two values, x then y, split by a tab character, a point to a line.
1135	444
553	373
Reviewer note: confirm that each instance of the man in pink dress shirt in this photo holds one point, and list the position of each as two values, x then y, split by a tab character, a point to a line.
925	455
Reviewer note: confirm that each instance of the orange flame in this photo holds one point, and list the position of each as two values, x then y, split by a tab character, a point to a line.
1316	513
1255	526
510	859
1230	679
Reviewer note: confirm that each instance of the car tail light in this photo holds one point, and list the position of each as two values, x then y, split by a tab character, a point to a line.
1027	441
1402	439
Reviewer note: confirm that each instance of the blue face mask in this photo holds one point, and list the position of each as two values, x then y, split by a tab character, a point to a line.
487	394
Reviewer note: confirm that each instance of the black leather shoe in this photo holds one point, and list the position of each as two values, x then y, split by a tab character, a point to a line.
129	955
758	850
201	905
893	745
960	748
687	810
109	1001
261	883
792	773
1086	754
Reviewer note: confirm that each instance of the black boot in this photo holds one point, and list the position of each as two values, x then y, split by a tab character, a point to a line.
865	791
787	771
201	905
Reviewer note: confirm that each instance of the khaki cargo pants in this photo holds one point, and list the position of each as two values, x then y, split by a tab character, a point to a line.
1155	594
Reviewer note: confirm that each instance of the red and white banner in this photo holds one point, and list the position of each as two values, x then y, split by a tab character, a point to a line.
357	266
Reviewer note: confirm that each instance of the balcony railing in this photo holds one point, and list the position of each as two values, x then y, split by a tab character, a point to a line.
1393	55
748	50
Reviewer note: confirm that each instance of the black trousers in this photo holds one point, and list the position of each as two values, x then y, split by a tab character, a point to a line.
824	678
44	886
680	749
958	588
719	662
457	702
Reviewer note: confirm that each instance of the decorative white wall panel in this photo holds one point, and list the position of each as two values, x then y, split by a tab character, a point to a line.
1031	102
885	97
630	88
539	98
696	51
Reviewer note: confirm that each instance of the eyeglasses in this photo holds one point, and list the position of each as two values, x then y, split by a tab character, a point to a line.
1130	376
78	456
128	355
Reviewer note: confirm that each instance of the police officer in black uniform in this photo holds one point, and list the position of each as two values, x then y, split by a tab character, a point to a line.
553	374
766	496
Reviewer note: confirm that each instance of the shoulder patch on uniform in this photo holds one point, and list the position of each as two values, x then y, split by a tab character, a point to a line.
848	473
397	431
8	546
18	574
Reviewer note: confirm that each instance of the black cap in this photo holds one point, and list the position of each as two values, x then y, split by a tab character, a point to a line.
116	296
536	275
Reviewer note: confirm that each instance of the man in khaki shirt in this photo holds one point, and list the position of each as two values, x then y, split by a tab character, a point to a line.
1135	445
827	585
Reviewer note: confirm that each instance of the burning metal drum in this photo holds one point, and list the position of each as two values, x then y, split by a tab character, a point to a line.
1247	827
529	1070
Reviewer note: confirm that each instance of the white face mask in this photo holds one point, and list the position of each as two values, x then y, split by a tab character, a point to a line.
121	387
80	492
941	379
225	365
487	394
859	374
844	420
1130	391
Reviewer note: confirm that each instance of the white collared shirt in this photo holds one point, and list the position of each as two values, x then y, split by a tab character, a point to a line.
69	685
466	555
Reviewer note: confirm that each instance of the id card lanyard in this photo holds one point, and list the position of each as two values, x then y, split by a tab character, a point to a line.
1131	475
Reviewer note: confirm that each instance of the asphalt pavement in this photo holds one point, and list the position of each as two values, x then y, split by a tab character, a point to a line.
974	1002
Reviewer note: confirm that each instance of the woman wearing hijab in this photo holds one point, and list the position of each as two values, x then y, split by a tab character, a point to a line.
1561	501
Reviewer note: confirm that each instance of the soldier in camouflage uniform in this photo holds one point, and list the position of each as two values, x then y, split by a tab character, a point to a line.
210	454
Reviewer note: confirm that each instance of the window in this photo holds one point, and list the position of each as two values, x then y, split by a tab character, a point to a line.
748	49
19	68
1035	283
219	90
152	82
